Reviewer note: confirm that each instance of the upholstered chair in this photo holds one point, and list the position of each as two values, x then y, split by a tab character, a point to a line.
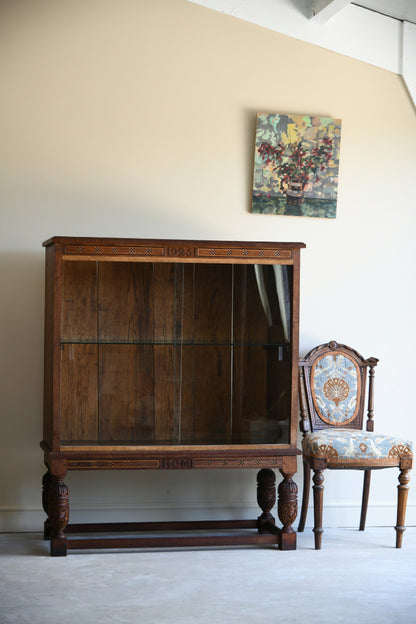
332	389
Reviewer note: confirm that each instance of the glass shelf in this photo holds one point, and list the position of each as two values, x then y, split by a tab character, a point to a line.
175	343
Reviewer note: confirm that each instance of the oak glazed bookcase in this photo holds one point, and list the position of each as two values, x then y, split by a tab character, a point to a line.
171	355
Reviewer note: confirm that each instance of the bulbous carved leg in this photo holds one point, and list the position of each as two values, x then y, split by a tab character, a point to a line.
58	507
266	497
46	482
402	491
287	509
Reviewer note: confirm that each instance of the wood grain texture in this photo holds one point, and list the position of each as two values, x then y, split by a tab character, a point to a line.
126	393
125	301
79	301
79	393
51	367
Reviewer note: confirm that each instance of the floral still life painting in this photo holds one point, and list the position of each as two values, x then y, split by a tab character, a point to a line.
296	165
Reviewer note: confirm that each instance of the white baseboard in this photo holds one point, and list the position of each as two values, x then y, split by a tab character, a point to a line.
15	519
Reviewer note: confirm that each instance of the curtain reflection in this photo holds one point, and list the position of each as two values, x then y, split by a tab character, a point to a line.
272	290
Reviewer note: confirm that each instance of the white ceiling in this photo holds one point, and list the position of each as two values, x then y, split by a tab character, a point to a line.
378	32
400	13
404	10
323	10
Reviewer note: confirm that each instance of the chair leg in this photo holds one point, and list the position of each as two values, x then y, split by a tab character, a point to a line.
402	491
305	496
364	504
318	495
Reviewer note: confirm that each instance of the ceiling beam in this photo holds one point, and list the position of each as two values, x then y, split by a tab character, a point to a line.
322	10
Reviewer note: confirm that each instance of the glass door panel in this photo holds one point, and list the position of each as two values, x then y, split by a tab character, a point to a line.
176	353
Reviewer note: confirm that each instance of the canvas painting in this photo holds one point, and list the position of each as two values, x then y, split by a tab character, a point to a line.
296	165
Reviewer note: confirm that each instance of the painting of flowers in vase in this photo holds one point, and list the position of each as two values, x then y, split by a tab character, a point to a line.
296	165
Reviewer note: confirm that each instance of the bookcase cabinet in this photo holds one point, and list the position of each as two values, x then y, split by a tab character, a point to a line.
167	354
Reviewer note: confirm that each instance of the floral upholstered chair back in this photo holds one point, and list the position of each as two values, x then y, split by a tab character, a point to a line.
335	379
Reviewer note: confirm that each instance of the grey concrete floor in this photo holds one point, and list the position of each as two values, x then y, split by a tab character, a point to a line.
356	578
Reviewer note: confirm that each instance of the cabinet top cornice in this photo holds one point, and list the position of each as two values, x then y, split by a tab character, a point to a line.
87	240
163	250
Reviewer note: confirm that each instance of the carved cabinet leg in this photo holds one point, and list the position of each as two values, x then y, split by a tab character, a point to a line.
287	508
46	483
402	491
266	498
58	508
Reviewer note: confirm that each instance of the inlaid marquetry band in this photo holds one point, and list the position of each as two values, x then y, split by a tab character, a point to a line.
223	252
114	250
173	463
116	464
143	251
238	462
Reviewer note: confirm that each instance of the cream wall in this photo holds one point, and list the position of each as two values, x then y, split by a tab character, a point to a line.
136	118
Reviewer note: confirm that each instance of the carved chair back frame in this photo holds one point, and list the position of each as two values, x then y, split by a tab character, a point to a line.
313	419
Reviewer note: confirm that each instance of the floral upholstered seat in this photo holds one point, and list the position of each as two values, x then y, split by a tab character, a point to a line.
332	384
351	446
